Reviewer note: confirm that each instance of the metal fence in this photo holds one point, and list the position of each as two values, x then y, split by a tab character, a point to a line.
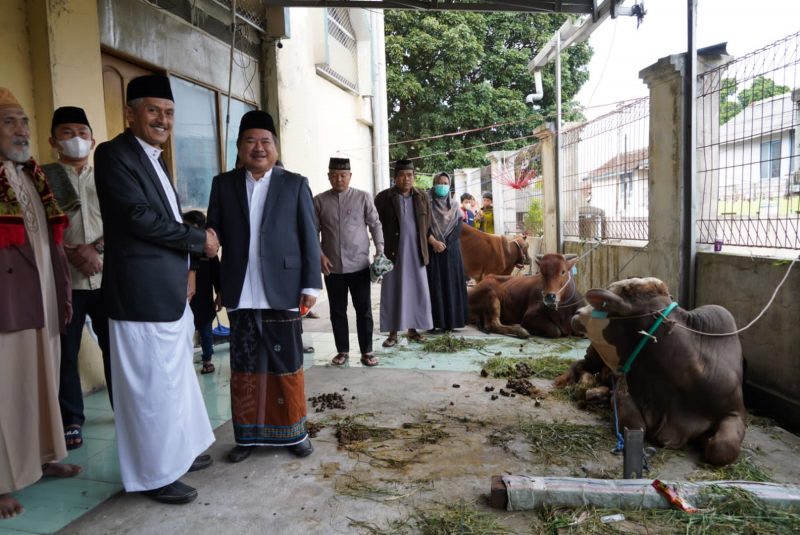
523	201
748	140
604	177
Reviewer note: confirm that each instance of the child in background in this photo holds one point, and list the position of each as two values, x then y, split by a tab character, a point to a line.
204	307
467	205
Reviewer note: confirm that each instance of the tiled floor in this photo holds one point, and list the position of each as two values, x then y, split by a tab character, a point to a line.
51	504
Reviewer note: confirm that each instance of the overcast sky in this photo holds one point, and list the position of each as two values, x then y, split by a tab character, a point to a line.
621	51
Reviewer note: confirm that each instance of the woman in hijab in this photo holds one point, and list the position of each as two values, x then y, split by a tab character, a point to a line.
446	279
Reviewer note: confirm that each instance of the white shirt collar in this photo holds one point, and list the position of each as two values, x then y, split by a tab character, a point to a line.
152	152
249	176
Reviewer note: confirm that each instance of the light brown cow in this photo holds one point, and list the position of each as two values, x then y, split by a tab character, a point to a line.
486	254
541	304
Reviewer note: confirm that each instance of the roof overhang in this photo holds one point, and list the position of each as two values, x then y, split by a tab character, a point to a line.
579	7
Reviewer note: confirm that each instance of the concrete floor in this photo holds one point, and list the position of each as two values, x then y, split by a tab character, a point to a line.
364	488
343	490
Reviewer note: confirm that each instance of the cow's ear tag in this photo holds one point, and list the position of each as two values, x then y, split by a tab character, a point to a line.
574	270
599	314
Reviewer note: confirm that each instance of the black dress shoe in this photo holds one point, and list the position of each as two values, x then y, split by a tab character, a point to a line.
201	462
173	494
304	449
239	453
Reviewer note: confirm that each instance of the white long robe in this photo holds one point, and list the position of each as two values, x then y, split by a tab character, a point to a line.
159	412
31	432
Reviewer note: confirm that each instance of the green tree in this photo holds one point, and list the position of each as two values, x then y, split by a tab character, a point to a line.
761	88
454	71
728	105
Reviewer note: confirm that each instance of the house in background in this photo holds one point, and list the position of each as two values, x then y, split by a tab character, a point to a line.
319	72
619	186
758	157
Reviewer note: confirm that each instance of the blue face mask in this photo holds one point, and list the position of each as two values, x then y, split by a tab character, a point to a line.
441	190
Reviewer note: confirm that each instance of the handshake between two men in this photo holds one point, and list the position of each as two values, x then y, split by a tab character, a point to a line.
211	246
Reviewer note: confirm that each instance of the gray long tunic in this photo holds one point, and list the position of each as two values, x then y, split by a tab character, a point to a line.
405	298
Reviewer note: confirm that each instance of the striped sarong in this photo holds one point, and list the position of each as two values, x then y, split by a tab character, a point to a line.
268	402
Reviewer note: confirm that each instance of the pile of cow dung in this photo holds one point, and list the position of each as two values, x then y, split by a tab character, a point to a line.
524	387
321	402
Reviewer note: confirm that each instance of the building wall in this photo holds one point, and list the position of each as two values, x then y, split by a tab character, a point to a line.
155	37
319	119
743	285
15	70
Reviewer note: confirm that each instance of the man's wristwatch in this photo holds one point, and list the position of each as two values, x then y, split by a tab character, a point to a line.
99	247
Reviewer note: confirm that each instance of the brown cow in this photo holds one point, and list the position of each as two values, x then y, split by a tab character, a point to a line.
682	386
541	304
487	254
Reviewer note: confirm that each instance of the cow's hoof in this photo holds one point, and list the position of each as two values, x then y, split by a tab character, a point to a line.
521	332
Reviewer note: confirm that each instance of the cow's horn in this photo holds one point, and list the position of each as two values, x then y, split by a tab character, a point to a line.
570	256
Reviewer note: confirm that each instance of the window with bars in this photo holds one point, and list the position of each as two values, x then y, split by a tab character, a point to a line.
341	66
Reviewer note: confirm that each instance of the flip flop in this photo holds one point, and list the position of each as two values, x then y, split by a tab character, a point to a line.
73	437
369	360
340	359
208	367
390	342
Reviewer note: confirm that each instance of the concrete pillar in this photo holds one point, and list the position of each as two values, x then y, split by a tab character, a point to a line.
460	182
665	80
66	64
666	141
547	145
502	168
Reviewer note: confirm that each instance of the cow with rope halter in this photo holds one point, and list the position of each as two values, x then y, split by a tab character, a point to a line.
542	304
678	373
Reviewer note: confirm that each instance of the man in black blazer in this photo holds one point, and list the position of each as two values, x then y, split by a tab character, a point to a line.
161	421
264	216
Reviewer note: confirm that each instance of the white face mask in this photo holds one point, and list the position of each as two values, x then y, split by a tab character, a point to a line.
75	147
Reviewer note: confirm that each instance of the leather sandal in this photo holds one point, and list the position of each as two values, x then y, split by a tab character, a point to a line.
368	359
415	337
390	342
340	359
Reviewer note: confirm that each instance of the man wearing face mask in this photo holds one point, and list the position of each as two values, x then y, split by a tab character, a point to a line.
72	182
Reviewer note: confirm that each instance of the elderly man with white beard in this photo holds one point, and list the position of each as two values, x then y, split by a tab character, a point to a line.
35	305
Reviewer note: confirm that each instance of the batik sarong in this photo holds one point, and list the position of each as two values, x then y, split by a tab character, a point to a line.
268	401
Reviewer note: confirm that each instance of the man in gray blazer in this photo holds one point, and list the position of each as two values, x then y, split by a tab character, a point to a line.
160	417
264	217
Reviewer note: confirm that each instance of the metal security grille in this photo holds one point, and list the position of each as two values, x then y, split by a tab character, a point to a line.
748	126
342	65
251	12
604	178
